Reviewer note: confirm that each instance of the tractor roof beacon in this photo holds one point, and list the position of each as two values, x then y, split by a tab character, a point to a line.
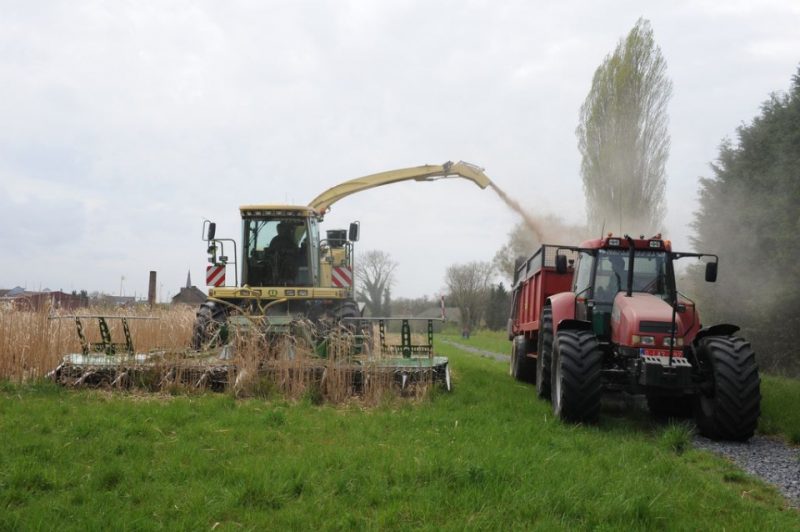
607	316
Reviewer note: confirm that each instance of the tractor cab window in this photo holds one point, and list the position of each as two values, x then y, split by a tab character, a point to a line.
277	252
583	275
649	273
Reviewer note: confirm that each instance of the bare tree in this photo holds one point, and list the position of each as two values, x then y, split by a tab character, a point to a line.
623	137
468	289
375	274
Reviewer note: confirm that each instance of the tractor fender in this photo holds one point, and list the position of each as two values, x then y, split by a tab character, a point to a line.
563	308
575	325
721	329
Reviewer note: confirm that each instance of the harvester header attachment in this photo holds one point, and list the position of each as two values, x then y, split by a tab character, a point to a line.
428	172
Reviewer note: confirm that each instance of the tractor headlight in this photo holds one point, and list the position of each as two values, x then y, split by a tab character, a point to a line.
678	341
644	340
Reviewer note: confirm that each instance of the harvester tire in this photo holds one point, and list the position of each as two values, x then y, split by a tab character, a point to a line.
727	408
577	381
207	324
670	407
544	355
523	368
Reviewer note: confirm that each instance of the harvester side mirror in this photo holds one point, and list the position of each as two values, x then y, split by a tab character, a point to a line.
561	263
352	235
711	272
212	230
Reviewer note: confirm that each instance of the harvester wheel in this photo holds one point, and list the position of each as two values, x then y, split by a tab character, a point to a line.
522	367
577	384
208	330
729	405
544	357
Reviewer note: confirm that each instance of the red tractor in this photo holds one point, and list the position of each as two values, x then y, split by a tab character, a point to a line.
607	316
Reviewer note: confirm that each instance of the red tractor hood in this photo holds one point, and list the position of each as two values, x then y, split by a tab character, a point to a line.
646	315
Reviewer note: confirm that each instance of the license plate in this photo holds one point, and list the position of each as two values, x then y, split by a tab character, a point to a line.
649	352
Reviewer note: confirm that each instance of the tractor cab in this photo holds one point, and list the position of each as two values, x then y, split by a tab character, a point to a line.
603	272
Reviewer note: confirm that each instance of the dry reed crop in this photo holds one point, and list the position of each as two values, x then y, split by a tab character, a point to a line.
33	343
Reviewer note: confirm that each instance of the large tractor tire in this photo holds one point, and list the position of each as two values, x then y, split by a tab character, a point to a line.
544	356
728	406
523	368
670	407
577	381
209	330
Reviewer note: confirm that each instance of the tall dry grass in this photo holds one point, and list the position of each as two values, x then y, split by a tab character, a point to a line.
33	343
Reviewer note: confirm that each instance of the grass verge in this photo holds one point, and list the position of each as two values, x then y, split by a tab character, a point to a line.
486	456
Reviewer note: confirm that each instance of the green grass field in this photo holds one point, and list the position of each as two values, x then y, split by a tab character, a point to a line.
486	456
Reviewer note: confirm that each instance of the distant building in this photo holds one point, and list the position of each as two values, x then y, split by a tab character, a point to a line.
39	300
189	294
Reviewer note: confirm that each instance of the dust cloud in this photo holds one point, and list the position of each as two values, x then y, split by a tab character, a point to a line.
530	222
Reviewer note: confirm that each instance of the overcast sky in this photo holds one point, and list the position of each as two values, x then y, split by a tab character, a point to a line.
125	124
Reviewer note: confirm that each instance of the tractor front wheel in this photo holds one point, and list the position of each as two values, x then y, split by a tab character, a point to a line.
577	382
729	403
544	360
522	367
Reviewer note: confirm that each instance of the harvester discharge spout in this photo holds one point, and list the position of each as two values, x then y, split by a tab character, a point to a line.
428	172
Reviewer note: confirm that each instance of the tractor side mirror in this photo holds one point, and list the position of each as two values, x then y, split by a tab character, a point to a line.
711	272
212	230
352	235
561	263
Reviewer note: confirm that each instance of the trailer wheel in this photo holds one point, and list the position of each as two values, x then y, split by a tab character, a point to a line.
544	355
208	329
577	384
522	367
729	403
665	407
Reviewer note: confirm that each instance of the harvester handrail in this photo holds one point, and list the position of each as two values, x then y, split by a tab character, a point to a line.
392	318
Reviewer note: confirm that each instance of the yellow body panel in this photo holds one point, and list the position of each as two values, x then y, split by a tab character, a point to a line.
272	292
301	210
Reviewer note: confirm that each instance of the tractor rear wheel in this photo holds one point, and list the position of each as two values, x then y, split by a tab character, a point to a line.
209	330
544	355
728	406
577	383
523	368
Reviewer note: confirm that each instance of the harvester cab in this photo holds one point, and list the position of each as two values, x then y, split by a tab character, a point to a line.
616	322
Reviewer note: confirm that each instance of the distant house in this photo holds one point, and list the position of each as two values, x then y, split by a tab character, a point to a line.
56	300
189	294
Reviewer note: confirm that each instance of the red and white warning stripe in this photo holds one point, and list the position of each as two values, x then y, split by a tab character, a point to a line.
342	277
215	275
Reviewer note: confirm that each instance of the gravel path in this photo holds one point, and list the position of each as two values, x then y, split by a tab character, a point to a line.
770	459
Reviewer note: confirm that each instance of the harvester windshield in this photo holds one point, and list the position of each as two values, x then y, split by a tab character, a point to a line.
277	251
649	273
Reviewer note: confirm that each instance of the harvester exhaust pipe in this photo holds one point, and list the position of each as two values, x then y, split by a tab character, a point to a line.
631	251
